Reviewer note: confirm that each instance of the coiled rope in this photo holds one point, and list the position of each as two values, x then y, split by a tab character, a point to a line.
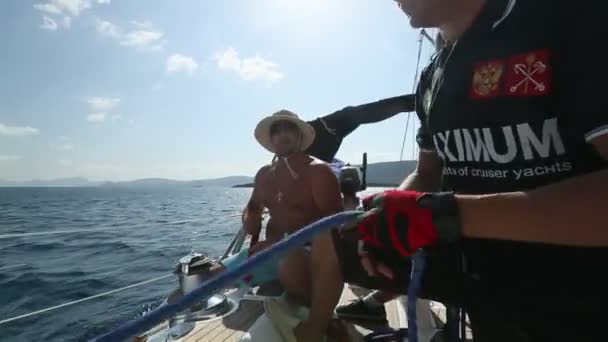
224	279
52	308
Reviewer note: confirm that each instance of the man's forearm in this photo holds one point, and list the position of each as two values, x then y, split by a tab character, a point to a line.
422	183
252	220
567	213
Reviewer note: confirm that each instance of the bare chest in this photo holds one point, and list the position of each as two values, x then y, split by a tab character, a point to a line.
285	192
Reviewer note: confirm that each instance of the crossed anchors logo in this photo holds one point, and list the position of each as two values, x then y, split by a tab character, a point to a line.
529	70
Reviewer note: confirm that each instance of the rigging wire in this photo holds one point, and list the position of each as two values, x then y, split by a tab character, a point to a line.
52	308
409	115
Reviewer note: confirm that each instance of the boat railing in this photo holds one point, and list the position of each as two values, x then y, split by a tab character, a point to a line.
236	244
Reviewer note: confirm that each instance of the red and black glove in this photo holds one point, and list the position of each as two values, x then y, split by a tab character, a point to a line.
409	220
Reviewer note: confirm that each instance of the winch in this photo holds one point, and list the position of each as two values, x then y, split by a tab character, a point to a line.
193	270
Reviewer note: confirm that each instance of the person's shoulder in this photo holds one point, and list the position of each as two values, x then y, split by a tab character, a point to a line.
263	172
318	167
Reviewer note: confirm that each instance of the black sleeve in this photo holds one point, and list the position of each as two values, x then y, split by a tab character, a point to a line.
584	73
345	121
383	109
424	137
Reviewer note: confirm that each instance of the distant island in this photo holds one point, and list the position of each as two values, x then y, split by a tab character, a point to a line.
138	183
386	174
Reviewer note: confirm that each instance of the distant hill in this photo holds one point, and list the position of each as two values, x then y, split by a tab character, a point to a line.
161	182
379	174
225	181
147	182
389	173
62	182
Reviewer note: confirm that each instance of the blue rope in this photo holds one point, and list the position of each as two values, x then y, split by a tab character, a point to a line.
301	237
418	266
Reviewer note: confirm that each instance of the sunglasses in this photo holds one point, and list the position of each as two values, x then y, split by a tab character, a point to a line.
285	126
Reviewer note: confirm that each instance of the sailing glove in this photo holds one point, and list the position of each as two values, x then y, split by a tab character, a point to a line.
409	220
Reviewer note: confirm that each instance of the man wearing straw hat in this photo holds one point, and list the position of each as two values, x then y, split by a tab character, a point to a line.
295	188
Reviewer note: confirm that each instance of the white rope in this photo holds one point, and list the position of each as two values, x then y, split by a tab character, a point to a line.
12	319
86	230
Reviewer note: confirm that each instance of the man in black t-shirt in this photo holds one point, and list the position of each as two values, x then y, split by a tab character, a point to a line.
331	129
513	130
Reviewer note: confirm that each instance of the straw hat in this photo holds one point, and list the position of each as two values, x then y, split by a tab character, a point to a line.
262	130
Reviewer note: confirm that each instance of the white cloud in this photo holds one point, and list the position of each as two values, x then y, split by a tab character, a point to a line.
64	138
131	122
103	104
100	106
67	22
249	69
67	147
106	28
143	39
228	60
67	9
9	158
97	117
143	36
65	162
48	24
181	63
257	68
16	131
48	8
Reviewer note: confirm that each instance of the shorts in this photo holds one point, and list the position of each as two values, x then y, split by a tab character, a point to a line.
263	273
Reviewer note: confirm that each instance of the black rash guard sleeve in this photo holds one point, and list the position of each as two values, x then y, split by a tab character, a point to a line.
331	129
346	120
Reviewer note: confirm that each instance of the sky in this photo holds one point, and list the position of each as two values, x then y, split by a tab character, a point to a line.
126	89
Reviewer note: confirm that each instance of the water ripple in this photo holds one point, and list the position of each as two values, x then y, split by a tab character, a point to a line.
148	231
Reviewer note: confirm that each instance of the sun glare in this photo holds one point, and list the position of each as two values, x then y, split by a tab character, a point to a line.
305	7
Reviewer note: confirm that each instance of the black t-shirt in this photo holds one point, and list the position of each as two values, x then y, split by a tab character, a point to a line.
512	106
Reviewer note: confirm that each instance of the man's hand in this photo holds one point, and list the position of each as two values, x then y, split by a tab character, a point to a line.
408	220
260	246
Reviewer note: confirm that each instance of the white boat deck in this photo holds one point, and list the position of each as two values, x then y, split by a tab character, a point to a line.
234	326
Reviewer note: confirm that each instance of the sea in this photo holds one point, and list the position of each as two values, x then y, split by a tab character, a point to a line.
140	234
144	233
